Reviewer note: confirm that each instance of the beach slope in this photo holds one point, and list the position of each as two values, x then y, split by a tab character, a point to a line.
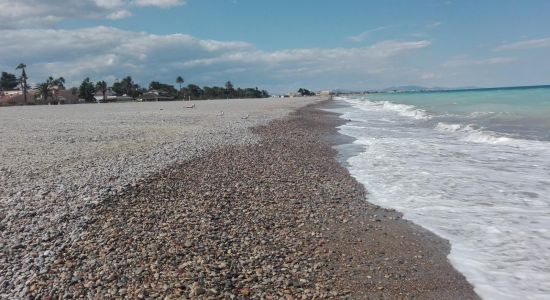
271	217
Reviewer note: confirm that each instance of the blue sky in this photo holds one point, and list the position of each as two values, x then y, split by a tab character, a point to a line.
282	45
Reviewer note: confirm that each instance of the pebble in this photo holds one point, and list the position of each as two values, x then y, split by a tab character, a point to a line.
241	220
66	161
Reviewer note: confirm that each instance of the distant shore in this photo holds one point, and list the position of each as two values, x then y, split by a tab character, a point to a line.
266	213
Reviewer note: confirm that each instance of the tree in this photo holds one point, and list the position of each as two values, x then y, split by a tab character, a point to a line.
229	89
44	90
87	90
118	88
305	92
8	81
164	89
23	79
101	86
126	86
48	88
180	81
194	91
59	83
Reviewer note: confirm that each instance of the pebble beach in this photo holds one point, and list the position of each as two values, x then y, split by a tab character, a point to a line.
210	199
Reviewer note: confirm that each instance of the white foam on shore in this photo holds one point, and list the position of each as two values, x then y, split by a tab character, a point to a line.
470	133
403	110
448	127
488	195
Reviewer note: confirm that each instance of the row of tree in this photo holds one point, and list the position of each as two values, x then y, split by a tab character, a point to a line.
193	91
10	81
46	91
128	87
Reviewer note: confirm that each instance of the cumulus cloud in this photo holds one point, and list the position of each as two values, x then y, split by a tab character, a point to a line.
46	13
106	52
528	44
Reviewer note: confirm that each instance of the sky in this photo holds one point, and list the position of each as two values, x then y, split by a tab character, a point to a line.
281	45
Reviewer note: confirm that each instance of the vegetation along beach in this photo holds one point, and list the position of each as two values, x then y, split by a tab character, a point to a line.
186	149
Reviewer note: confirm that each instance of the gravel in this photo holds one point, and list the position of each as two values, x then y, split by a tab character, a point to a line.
58	163
266	213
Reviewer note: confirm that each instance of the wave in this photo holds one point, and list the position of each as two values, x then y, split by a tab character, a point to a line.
406	110
403	110
448	127
475	134
340	98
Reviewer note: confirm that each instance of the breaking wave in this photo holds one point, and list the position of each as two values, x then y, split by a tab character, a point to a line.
474	134
403	110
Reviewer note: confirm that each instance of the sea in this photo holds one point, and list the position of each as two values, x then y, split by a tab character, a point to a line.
473	167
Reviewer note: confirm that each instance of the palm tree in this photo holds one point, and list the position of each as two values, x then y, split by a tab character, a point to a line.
129	85
23	79
59	82
102	87
180	81
229	89
43	91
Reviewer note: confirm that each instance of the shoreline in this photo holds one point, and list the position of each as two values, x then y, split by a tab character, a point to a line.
436	249
279	217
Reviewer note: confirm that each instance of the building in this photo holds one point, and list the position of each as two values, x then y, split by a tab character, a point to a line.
9	94
65	97
111	96
154	95
325	93
295	94
16	97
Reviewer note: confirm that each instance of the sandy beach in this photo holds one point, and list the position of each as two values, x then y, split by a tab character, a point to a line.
228	199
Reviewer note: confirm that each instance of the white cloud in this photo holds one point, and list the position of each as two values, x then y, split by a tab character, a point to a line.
434	25
428	76
159	3
109	4
366	34
462	61
105	52
392	47
528	44
41	13
117	15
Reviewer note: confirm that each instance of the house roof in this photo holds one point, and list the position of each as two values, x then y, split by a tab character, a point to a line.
154	95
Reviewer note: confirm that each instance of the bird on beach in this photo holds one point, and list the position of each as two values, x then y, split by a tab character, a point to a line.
220	114
190	106
245	117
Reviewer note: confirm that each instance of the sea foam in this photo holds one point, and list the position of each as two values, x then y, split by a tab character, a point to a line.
472	133
486	193
403	110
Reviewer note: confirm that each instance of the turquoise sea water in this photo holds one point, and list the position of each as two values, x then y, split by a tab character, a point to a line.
522	112
472	167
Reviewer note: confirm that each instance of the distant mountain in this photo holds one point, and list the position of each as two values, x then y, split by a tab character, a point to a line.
404	88
417	88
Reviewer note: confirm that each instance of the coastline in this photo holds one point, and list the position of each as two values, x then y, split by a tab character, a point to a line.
410	243
279	217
